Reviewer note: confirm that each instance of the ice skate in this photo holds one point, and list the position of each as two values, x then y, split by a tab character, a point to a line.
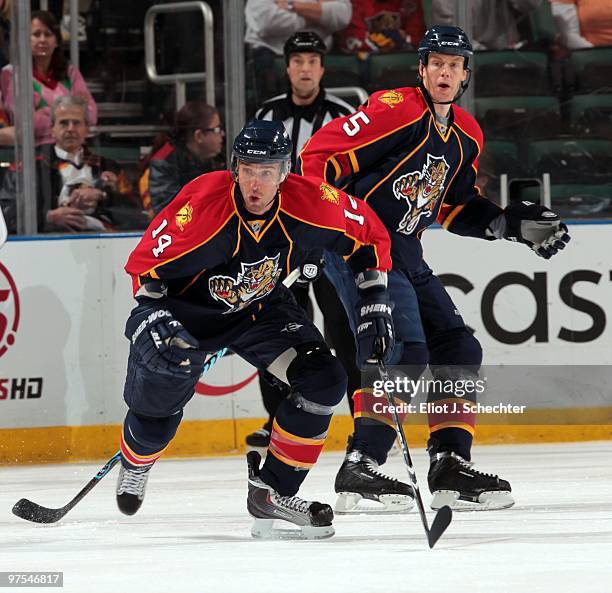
131	489
454	482
313	519
259	439
362	488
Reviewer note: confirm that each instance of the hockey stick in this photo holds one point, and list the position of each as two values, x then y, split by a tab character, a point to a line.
445	515
31	511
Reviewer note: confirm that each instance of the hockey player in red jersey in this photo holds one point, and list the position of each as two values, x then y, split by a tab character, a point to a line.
413	156
207	274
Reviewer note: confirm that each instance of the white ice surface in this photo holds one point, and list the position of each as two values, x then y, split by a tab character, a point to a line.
192	533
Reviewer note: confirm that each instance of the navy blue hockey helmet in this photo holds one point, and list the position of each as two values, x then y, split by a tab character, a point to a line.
443	39
304	41
263	142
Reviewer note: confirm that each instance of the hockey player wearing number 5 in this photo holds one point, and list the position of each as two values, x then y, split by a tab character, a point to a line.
207	274
412	155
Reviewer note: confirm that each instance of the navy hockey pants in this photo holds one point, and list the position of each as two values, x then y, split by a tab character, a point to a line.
429	330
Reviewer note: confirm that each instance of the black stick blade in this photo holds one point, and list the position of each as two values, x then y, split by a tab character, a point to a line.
441	521
30	511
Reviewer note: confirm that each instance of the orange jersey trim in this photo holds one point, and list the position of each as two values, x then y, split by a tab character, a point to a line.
450	217
453	177
451	424
296	439
286	233
394	170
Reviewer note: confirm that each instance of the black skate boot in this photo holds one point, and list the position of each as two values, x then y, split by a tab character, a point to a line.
314	519
131	489
259	439
454	482
359	480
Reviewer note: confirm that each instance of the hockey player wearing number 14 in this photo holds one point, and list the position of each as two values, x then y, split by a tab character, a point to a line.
413	156
207	274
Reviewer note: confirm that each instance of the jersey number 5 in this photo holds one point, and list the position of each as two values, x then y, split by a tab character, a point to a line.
352	126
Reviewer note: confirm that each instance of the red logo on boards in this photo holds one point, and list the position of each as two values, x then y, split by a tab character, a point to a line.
9	310
216	390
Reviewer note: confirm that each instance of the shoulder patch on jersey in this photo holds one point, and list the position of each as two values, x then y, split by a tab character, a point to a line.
391	98
184	216
329	193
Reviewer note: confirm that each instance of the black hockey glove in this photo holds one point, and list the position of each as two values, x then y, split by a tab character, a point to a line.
536	226
375	334
163	344
311	268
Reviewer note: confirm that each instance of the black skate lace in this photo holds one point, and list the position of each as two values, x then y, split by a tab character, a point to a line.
293	503
133	482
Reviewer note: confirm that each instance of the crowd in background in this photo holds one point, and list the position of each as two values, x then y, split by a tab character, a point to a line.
361	38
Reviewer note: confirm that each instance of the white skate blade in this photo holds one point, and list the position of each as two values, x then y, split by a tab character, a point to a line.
351	503
265	529
487	501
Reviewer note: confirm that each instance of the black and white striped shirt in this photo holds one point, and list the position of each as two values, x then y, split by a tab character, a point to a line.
302	121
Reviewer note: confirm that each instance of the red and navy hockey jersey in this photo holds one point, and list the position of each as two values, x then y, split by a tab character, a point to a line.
391	154
212	253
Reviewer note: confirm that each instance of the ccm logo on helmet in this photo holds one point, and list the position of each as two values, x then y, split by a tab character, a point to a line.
253	151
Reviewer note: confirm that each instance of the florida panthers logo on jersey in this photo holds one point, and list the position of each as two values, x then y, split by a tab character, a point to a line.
421	190
255	281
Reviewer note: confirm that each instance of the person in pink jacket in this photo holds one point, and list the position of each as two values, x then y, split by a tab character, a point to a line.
52	77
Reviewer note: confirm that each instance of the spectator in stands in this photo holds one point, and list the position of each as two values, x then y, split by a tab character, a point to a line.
194	149
5	29
53	77
583	23
494	22
383	26
77	190
270	22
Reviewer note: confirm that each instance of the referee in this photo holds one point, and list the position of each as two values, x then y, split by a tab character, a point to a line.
303	109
